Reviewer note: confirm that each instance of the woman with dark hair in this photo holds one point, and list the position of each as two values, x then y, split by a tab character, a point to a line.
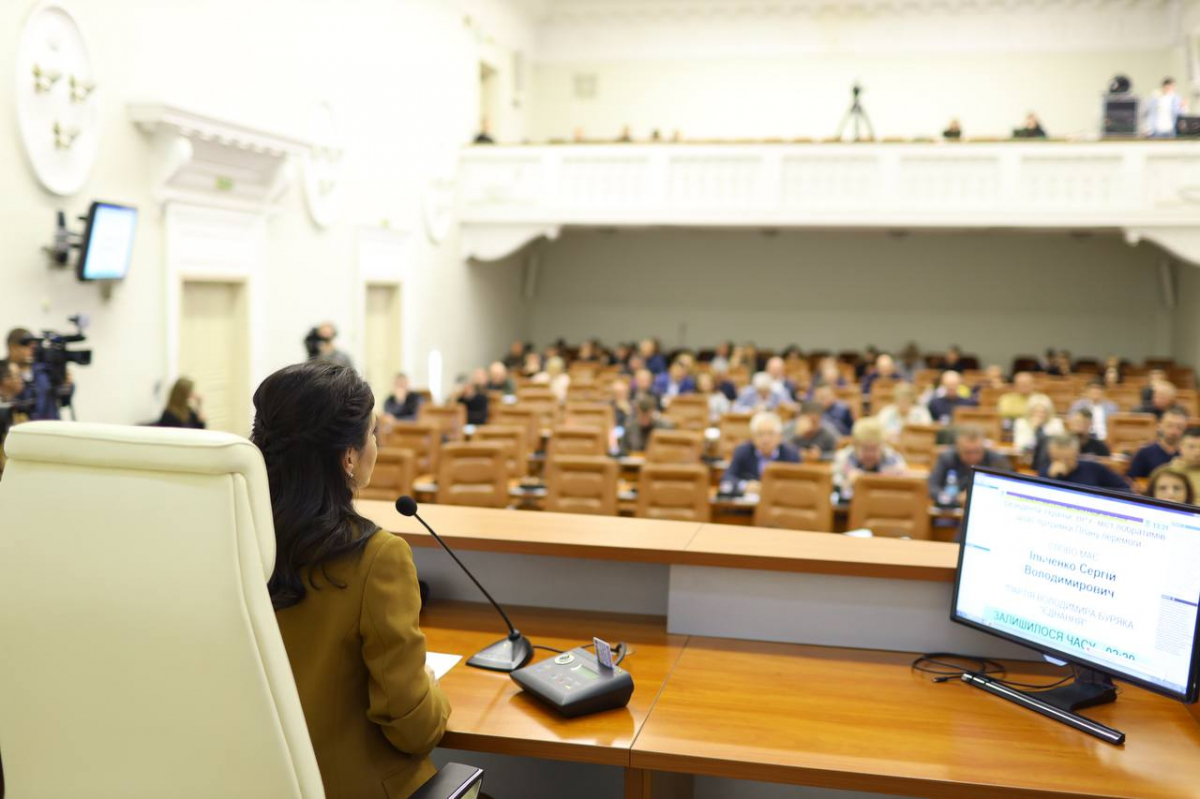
345	592
1171	483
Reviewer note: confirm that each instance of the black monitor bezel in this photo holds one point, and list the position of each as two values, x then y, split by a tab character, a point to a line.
86	243
1192	691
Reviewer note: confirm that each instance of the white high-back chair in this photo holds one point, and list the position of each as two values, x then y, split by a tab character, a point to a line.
139	654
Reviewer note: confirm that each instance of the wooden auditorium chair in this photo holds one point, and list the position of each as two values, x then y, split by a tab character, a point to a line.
1128	432
590	414
734	428
674	491
515	441
891	506
395	471
448	419
688	412
577	441
423	439
796	496
918	444
987	418
581	484
473	474
675	446
523	417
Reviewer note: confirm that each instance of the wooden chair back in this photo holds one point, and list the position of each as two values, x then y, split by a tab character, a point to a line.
674	491
688	412
675	446
851	394
989	396
987	418
796	496
1127	397
449	419
395	471
918	444
576	441
541	401
423	439
519	416
581	484
1128	432
515	439
473	474
734	428
891	506
590	414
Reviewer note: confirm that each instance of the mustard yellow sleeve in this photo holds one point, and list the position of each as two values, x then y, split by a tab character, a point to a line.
403	701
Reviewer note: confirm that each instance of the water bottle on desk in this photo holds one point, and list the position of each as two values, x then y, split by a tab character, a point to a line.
948	498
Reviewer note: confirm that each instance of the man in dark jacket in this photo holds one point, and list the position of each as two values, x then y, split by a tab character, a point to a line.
744	475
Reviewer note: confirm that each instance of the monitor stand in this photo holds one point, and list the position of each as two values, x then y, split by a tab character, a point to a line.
1089	689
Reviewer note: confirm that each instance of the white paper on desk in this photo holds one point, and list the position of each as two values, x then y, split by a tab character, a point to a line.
861	532
440	663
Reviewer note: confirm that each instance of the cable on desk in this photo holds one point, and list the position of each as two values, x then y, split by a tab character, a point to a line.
986	667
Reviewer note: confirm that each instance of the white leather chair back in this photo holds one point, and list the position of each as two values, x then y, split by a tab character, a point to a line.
139	654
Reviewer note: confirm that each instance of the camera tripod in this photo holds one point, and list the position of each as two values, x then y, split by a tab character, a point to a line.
859	117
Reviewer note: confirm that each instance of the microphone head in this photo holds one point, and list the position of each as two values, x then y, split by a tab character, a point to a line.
406	505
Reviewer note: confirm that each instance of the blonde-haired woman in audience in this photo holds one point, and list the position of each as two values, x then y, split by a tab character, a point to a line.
868	453
718	403
904	410
555	376
183	407
1038	424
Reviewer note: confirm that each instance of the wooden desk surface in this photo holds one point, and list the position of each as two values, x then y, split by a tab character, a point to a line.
557	534
655	541
490	713
861	720
732	546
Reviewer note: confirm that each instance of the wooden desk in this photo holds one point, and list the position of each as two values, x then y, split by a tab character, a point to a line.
861	720
490	713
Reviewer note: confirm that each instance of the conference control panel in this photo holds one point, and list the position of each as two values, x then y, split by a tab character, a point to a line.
574	683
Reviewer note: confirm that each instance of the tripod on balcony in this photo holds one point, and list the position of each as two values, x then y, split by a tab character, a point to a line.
856	114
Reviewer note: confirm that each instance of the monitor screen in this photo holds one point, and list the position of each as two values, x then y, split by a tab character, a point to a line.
1106	580
108	242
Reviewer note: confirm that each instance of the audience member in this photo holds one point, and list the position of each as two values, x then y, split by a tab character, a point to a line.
1038	424
555	377
812	434
1170	432
744	474
911	361
402	404
1079	424
532	365
515	358
654	360
499	380
327	350
1113	377
718	403
1163	109
779	380
184	407
1188	461
674	381
472	395
1030	129
1172	484
903	411
951	393
720	375
953	130
836	412
1099	406
970	450
1163	397
760	395
1063	464
637	429
720	359
953	360
885	368
643	386
1153	378
867	454
589	352
1015	404
993	377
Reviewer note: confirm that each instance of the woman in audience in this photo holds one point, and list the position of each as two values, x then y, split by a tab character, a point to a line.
532	366
718	403
183	407
868	454
904	410
1038	424
345	592
555	377
1172	484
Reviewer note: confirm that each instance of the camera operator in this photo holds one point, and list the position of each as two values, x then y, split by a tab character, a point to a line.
319	344
42	364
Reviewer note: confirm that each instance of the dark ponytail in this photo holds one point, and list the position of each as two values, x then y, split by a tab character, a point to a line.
305	418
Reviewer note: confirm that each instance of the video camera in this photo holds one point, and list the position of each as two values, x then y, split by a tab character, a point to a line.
50	359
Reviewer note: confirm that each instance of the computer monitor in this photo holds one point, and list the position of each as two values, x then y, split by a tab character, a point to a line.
108	242
1106	581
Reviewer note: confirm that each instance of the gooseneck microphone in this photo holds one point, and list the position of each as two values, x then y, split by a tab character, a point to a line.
508	654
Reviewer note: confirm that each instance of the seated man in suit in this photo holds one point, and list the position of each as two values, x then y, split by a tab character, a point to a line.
1170	433
674	381
970	450
1063	464
1162	399
814	437
744	474
760	395
402	404
834	411
950	394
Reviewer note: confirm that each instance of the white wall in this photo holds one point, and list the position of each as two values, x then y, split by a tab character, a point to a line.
752	68
403	78
1186	329
995	294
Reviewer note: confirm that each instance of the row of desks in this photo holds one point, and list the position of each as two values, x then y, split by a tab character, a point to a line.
804	715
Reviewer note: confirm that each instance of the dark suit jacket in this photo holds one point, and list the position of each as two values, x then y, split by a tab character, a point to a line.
744	463
358	656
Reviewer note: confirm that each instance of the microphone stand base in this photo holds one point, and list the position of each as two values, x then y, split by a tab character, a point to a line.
507	655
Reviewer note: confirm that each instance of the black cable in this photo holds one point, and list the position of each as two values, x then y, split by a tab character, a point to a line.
986	667
547	648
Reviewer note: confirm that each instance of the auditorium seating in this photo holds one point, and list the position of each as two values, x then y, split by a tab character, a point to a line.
734	429
515	441
420	438
987	418
674	491
1127	432
675	446
891	506
796	497
448	419
581	484
589	414
395	470
519	416
577	441
688	412
918	444
473	474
